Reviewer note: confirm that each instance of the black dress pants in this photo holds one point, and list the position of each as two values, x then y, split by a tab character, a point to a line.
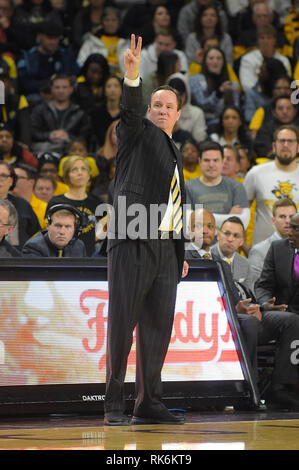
142	277
275	325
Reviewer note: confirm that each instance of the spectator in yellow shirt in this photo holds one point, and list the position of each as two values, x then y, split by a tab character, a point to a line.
191	168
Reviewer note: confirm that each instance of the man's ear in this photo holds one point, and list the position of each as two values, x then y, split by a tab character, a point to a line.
9	229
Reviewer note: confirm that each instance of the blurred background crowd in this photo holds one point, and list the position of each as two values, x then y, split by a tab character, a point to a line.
235	64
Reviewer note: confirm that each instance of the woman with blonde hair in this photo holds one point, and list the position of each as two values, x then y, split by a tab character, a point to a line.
76	174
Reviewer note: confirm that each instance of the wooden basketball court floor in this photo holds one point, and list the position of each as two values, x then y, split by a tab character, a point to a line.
227	430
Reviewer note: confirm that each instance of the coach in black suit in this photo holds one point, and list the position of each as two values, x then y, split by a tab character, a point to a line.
278	287
277	290
145	260
273	323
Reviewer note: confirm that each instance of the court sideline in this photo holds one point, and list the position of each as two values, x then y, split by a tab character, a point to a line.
228	430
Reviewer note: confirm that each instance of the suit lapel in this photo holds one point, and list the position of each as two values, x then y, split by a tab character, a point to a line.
289	265
294	283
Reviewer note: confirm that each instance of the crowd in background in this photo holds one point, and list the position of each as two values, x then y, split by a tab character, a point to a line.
235	64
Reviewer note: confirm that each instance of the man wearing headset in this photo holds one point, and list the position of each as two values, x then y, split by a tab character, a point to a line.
60	239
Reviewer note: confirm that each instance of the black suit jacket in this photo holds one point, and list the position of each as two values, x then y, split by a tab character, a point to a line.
145	164
277	279
41	246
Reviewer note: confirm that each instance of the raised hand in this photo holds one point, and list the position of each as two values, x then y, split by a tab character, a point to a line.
132	58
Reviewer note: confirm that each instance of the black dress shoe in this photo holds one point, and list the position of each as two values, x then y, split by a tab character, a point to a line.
159	417
281	400
116	419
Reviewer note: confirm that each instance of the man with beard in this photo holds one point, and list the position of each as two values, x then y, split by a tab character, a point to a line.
274	180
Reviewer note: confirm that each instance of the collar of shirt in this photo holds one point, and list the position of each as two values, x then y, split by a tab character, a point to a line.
229	260
201	251
277	236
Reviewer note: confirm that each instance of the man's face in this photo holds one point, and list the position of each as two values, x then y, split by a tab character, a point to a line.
286	147
282	218
266	44
211	163
61	89
294	231
5	227
230	163
48	44
164	43
23	184
262	15
163	110
284	111
5	181
203	229
44	190
61	230
230	238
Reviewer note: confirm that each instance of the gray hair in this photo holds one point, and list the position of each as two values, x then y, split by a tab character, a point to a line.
12	211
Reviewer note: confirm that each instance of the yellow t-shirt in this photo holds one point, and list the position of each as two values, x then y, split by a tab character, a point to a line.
39	208
190	175
111	45
61	188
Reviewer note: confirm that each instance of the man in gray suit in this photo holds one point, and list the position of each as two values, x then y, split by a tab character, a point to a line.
145	265
283	210
230	238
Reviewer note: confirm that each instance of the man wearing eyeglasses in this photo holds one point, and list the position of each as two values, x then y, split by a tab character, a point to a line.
230	238
274	180
8	220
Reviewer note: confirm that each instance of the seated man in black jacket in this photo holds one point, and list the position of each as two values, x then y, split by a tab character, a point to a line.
8	220
60	237
257	327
